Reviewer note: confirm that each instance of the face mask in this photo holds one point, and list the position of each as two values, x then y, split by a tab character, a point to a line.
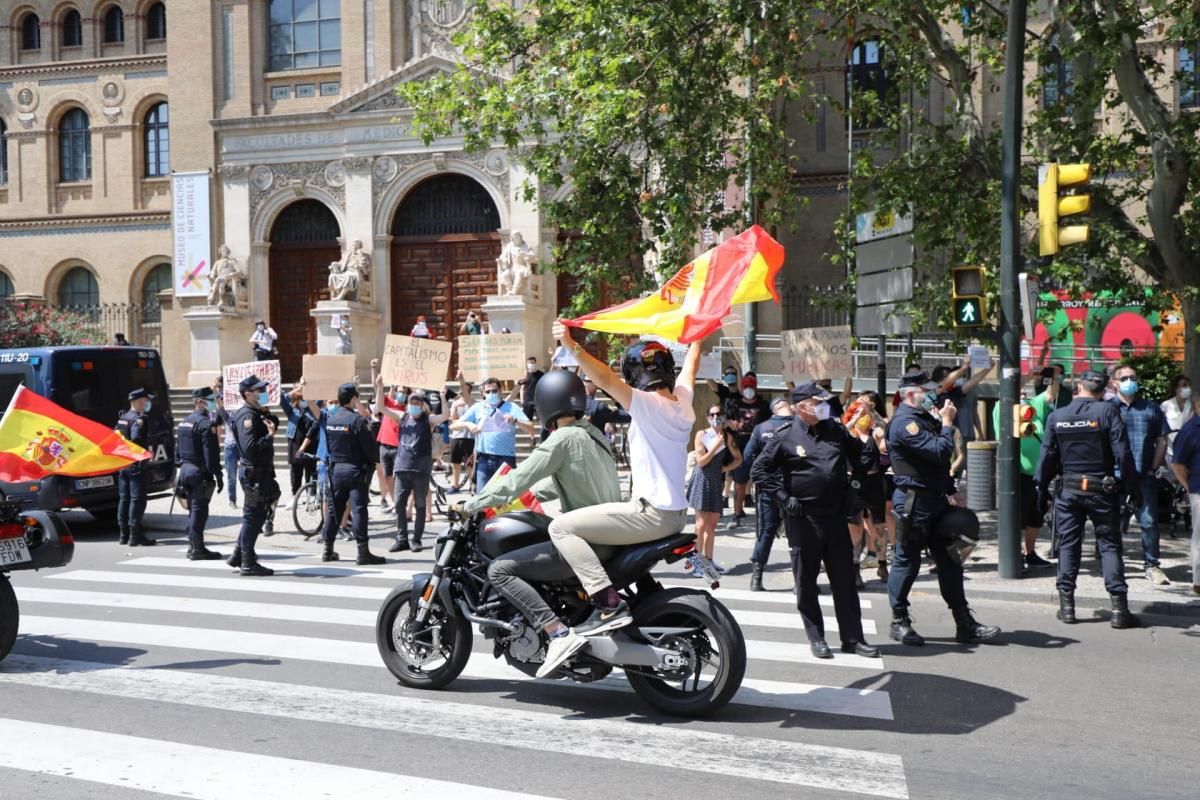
212	406
1185	392
731	379
493	399
415	410
821	411
927	402
264	398
863	423
149	406
716	422
1128	387
531	367
748	394
303	404
401	397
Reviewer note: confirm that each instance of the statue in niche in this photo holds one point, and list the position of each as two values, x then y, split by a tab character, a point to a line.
348	276
514	267
226	277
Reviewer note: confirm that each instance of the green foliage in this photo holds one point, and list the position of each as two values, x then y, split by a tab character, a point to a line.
36	325
1155	372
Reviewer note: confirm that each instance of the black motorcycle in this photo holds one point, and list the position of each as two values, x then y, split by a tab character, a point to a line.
28	540
684	653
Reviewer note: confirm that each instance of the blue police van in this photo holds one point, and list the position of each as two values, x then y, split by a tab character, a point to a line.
94	382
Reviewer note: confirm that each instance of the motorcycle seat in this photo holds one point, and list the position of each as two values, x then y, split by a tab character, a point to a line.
631	562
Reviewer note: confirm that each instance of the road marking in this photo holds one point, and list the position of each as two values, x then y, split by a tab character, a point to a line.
189	770
871	703
314	572
787	598
760	650
875	774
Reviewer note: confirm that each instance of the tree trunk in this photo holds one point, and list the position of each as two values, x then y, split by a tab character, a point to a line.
1190	304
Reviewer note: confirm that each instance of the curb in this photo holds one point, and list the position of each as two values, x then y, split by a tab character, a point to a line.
1168	605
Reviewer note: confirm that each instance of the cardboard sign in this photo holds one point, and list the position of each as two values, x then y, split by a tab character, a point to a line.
235	373
496	355
814	353
416	363
324	374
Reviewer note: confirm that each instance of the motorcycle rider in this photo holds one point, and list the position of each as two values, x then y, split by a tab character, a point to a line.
573	463
352	456
198	457
134	425
660	407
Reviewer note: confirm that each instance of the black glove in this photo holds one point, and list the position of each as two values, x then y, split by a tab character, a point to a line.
220	483
793	507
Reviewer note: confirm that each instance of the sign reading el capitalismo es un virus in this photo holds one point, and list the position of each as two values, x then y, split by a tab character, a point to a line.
415	363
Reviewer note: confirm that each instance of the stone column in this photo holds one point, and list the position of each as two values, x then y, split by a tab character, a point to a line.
382	256
521	315
259	269
219	336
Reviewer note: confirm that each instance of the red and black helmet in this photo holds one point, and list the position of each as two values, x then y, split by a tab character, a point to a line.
648	366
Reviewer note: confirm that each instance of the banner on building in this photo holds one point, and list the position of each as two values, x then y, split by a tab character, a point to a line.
811	354
415	363
324	374
236	373
493	355
190	226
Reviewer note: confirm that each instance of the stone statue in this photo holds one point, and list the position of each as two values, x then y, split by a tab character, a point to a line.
349	274
514	266
226	275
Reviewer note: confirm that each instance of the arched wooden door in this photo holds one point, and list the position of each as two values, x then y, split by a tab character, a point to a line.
303	243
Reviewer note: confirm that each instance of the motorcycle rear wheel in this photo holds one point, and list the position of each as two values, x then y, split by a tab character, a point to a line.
718	636
10	617
403	646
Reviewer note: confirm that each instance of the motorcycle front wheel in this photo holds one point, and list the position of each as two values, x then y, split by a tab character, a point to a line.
427	656
712	654
10	617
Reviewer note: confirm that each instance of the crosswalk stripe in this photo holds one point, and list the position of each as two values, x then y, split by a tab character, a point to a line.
309	588
875	774
870	703
184	769
759	650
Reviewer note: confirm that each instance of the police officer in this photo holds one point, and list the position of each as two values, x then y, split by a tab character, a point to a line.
353	454
766	509
198	456
254	428
928	509
804	466
131	481
1086	449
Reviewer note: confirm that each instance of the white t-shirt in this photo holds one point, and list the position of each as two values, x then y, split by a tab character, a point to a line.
658	442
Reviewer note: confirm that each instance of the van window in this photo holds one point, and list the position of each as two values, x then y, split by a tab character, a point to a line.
9	382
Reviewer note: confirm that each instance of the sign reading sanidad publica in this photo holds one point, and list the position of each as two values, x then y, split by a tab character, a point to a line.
493	355
816	353
416	363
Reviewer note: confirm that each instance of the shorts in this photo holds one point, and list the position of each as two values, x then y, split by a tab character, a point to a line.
387	458
873	500
1030	518
461	450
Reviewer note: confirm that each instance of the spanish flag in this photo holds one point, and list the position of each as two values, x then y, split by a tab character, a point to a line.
39	438
692	304
526	502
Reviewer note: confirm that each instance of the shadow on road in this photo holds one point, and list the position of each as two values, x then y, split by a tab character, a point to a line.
42	646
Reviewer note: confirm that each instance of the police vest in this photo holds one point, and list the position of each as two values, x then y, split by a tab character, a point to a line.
138	434
1082	432
189	437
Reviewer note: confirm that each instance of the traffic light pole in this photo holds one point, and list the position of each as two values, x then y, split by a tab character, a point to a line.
1008	467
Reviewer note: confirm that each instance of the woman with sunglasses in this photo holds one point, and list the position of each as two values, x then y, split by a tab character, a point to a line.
716	454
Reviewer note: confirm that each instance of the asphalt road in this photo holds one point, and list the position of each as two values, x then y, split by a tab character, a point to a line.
140	674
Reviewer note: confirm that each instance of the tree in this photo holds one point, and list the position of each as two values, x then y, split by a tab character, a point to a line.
35	325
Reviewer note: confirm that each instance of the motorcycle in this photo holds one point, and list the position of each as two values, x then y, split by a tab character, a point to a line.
684	653
28	540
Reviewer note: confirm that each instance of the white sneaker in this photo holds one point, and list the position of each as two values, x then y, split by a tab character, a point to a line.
1157	577
560	649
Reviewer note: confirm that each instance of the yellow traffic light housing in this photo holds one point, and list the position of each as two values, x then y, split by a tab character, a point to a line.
1023	420
969	296
1052	179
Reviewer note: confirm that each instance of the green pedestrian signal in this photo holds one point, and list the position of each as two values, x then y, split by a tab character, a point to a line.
969	312
969	292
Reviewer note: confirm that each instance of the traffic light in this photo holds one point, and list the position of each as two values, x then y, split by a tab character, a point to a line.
970	297
1052	179
1023	421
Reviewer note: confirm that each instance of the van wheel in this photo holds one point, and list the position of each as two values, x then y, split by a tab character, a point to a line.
9	617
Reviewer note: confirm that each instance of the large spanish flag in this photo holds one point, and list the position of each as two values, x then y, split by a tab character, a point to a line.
39	438
692	304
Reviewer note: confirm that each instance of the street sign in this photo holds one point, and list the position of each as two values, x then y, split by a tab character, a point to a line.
881	320
872	225
970	312
883	254
885	287
1029	285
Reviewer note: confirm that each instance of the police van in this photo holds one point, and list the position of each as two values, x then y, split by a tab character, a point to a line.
93	382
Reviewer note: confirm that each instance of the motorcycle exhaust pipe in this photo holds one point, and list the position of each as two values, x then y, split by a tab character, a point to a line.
491	623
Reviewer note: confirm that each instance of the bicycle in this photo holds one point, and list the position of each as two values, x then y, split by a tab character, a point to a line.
308	507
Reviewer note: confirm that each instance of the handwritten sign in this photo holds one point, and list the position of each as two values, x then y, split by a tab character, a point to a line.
324	374
416	363
815	353
563	358
496	355
235	373
979	357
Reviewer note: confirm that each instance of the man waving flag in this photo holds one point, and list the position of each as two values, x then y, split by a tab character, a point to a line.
39	438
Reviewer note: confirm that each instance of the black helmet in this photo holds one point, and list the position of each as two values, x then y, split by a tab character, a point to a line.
648	366
559	392
958	529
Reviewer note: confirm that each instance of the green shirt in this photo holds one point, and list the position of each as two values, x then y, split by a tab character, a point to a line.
1031	446
575	464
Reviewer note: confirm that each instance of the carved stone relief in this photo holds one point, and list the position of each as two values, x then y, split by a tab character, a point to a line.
388	168
299	174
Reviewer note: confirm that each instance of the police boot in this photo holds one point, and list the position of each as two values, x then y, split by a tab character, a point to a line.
235	558
1122	617
1066	607
401	543
366	557
124	538
904	632
198	552
330	554
136	539
756	578
968	630
250	566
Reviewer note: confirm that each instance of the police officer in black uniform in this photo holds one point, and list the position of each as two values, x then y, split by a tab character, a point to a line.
926	505
804	466
353	453
198	456
254	427
1087	450
767	517
134	425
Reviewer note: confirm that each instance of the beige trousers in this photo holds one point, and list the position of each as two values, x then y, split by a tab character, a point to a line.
609	523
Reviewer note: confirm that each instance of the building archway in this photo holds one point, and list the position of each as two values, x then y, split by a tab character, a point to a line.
304	240
446	238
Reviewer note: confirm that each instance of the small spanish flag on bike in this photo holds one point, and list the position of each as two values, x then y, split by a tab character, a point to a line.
39	438
526	502
692	304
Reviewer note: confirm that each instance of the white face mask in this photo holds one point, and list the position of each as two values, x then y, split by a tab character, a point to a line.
1185	392
748	393
821	411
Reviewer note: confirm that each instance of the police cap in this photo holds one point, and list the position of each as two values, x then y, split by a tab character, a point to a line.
203	393
810	389
1094	380
915	376
345	392
139	393
252	383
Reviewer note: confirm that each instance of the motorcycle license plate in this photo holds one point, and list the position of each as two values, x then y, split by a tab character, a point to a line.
94	483
14	551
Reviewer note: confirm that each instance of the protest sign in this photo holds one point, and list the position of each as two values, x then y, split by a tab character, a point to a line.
814	353
563	358
235	373
494	355
979	357
416	363
324	374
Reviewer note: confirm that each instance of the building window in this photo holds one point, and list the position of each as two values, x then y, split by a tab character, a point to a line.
3	154
158	160
157	280
78	289
305	33
72	29
1057	77
6	286
156	22
1189	79
867	74
114	26
31	32
74	147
